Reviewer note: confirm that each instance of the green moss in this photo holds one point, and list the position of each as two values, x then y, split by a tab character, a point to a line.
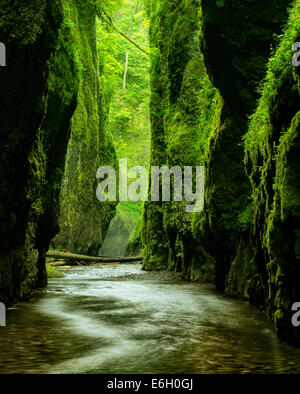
62	101
53	272
247	237
199	116
183	104
272	152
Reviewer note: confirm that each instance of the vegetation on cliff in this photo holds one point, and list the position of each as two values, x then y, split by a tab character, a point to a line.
209	69
272	161
31	35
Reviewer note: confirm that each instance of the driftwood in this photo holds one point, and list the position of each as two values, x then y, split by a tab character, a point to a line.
79	257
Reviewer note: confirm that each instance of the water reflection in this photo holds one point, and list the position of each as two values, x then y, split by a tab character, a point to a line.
96	320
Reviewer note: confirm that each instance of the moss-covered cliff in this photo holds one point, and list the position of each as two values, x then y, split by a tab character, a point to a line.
52	71
30	32
272	161
84	220
183	104
200	120
208	60
61	104
236	54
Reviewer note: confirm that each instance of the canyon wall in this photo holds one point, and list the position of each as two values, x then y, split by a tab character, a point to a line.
30	33
215	64
52	107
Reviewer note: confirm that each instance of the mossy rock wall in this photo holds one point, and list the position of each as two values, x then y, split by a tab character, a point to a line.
183	104
209	59
235	40
272	151
204	76
30	32
84	220
56	127
52	71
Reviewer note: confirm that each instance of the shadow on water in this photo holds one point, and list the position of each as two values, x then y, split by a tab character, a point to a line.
118	320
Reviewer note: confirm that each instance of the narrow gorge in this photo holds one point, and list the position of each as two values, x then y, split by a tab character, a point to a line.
174	83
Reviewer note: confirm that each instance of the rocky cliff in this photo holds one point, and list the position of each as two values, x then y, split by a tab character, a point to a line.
30	33
215	63
51	104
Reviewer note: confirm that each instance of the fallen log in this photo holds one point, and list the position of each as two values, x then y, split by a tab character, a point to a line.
79	257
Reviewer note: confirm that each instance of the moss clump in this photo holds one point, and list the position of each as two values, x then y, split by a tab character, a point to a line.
53	272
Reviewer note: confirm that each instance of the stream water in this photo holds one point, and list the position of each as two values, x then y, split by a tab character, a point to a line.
118	319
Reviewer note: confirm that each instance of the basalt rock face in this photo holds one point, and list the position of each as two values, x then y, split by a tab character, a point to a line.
30	32
247	236
56	128
235	40
183	104
272	152
47	94
258	258
83	219
205	71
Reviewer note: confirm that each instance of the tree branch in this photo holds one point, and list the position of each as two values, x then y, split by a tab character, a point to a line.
100	13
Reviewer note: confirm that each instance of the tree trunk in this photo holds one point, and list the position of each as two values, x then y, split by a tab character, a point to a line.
125	71
79	257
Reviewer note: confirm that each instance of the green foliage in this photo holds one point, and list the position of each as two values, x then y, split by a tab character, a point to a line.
220	3
109	6
22	23
129	109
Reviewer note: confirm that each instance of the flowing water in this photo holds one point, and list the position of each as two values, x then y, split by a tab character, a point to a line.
117	319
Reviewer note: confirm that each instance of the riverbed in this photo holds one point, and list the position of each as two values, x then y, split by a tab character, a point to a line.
119	319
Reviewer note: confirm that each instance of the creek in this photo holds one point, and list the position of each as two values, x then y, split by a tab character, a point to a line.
120	319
